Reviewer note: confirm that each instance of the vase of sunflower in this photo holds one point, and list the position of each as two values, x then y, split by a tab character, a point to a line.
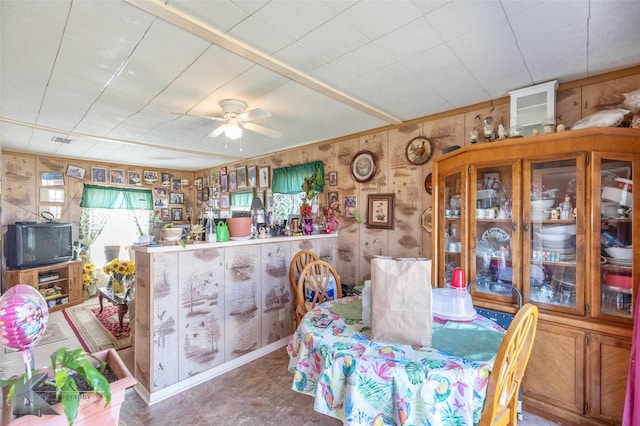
120	273
89	280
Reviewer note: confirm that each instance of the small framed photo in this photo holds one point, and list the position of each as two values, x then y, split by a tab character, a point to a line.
150	176
223	171
198	184
176	184
176	198
350	204
491	181
224	186
134	177
165	178
294	222
116	175
99	174
205	180
215	179
251	176
381	210
160	202
332	197
224	201
176	214
160	191
164	214
199	197
51	179
232	180
241	177
263	177
75	171
205	194
333	178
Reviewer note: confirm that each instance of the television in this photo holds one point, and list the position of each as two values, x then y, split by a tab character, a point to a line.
32	244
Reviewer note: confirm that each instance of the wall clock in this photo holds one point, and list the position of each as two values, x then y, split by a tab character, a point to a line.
419	150
363	166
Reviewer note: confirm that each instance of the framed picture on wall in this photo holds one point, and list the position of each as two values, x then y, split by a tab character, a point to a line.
176	198
251	176
333	178
166	179
51	179
176	214
150	176
215	179
263	177
350	204
164	214
380	213
224	186
134	177
232	180
99	174
160	191
116	175
75	171
224	201
241	178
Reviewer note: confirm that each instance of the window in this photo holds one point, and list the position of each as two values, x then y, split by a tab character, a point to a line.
287	187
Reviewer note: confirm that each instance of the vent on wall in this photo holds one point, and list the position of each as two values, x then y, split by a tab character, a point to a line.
60	139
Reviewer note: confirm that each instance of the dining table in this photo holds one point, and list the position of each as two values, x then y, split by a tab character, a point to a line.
367	382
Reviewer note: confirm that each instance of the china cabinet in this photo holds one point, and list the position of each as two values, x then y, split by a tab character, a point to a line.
551	215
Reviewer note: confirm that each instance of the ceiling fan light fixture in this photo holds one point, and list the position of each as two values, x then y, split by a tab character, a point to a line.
233	131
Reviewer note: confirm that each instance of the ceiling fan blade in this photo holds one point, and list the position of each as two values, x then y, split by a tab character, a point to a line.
254	114
262	130
217	132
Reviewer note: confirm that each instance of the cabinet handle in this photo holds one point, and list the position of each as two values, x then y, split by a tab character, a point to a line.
514	226
526	226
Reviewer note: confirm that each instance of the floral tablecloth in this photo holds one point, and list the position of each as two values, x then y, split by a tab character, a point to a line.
364	382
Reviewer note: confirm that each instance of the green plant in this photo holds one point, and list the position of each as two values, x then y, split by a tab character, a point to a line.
168	225
64	364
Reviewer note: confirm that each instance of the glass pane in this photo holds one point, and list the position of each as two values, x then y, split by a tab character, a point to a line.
453	231
493	231
553	232
616	272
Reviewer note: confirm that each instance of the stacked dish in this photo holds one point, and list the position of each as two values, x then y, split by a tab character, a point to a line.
541	208
620	192
559	240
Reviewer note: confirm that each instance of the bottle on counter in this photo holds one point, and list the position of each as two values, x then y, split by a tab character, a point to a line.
210	229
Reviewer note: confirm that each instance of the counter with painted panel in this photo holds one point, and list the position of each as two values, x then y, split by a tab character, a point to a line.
207	308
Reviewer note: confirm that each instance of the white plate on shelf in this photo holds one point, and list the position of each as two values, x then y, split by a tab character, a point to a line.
495	234
618	262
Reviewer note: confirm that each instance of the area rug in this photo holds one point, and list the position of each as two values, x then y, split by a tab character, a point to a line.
97	331
53	333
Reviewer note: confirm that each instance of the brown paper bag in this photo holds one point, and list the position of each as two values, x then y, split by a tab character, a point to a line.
401	300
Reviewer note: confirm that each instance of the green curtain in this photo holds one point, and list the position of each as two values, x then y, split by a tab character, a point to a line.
103	197
289	180
241	199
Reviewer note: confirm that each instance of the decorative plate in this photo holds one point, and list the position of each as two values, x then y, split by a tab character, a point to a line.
428	184
426	220
495	235
363	166
419	150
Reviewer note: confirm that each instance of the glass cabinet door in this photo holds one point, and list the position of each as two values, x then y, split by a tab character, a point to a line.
494	221
553	231
613	292
454	227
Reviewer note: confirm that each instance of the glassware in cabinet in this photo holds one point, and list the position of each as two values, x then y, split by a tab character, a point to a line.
493	225
454	227
614	244
552	225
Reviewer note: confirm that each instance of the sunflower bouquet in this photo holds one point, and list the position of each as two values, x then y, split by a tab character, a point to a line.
88	275
119	270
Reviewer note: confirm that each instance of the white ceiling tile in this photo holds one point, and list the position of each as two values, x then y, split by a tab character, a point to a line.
415	37
221	15
300	57
364	60
339	5
294	18
334	39
377	18
456	18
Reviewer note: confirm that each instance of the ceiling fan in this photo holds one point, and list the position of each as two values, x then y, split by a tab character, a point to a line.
236	119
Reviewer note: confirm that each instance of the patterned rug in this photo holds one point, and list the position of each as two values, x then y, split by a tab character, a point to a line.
97	331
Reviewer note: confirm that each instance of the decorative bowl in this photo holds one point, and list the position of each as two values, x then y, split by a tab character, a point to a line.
172	234
621	253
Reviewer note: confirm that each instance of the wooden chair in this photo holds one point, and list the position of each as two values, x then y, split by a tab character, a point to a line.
299	261
316	275
500	407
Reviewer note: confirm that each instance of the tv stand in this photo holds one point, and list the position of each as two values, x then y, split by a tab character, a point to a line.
60	284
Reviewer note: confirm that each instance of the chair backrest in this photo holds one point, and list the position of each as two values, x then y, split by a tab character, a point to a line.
299	261
500	407
316	276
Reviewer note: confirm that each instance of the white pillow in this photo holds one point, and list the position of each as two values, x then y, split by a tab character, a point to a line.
606	118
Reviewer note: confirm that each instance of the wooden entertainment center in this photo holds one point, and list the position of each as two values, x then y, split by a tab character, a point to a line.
60	284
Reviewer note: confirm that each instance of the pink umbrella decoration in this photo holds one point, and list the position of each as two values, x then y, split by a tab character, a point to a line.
23	319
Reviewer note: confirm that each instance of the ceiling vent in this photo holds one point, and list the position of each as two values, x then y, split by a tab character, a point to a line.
59	139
